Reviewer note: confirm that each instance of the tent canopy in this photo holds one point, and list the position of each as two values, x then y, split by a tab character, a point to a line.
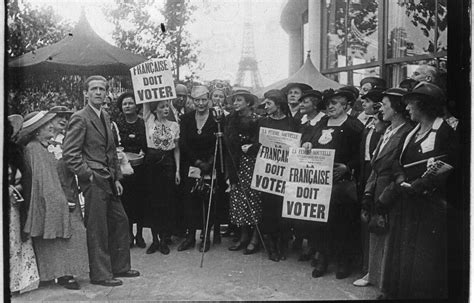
307	74
81	52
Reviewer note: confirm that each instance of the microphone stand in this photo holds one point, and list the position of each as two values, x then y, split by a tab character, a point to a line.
218	115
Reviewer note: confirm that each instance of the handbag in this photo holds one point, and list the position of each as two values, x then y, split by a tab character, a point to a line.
379	224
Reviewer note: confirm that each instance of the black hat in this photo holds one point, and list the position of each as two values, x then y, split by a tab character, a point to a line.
397	92
302	86
375	94
375	81
427	89
408	84
247	95
312	92
349	91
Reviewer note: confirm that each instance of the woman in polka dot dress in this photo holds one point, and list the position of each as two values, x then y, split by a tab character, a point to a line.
241	132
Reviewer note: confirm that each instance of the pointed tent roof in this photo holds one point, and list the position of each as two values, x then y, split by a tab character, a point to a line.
307	74
81	52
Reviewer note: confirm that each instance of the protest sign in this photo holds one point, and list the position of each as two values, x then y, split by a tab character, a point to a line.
153	81
271	167
309	184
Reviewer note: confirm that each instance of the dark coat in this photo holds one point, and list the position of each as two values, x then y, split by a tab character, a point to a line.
417	262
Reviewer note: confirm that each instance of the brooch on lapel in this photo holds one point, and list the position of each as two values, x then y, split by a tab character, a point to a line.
326	136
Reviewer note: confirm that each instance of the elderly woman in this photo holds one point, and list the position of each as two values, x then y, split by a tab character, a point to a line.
275	227
197	142
311	109
293	92
340	132
133	140
23	269
417	264
386	153
245	205
54	218
162	162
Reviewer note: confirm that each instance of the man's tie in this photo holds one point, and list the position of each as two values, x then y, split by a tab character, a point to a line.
102	118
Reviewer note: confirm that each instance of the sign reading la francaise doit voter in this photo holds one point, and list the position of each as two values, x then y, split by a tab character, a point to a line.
153	81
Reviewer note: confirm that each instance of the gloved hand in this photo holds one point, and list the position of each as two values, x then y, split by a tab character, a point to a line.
364	216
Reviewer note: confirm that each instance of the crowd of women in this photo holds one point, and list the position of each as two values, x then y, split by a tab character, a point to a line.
393	149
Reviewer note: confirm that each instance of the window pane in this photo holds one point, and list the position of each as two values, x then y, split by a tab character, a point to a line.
359	74
442	26
399	72
362	39
337	30
305	39
341	77
410	27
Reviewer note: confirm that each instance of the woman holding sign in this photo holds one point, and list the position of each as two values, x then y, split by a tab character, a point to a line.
245	205
275	228
342	133
162	162
417	264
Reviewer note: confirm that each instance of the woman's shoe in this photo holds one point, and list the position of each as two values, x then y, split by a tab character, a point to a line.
69	282
362	282
153	248
140	242
164	249
205	247
187	244
320	266
274	256
251	249
238	246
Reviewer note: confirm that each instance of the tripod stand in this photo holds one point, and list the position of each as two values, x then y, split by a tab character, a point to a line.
218	115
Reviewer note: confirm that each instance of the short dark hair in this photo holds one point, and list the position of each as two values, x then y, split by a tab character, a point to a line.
396	102
317	102
427	105
95	78
125	95
279	98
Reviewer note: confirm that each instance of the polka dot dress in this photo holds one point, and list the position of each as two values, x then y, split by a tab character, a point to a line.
244	201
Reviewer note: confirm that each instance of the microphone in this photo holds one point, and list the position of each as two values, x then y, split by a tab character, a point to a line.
218	113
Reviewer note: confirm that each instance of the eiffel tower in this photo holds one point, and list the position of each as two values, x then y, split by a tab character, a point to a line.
248	64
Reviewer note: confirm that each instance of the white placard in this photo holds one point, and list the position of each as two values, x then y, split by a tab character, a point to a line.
309	184
153	81
271	167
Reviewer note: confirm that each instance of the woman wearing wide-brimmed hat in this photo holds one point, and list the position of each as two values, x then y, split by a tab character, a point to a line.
417	264
245	205
56	229
23	269
340	132
276	228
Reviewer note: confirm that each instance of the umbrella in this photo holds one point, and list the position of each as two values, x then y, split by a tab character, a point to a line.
81	52
307	74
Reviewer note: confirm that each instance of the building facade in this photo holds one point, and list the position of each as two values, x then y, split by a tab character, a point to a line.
353	39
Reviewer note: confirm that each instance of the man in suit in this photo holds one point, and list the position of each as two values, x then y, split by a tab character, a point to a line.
89	151
177	104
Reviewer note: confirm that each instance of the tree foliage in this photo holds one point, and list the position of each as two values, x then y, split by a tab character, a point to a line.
138	29
29	28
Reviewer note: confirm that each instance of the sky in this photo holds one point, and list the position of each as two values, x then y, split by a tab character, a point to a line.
220	32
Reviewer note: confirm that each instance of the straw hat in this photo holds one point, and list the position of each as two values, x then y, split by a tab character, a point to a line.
61	110
33	121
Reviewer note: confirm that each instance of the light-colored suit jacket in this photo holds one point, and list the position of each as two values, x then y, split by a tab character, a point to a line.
89	149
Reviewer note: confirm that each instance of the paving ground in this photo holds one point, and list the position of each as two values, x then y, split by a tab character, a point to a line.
226	275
